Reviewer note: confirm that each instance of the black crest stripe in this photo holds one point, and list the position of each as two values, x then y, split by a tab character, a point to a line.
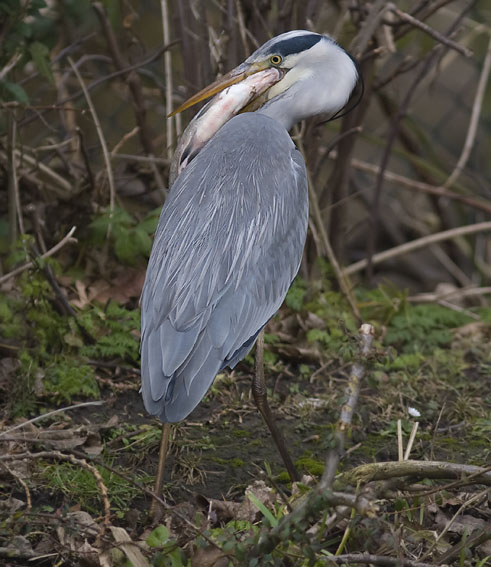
295	44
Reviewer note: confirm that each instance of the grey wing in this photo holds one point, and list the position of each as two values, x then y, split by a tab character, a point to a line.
228	245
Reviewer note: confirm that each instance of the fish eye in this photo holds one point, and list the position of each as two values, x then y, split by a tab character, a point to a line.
275	59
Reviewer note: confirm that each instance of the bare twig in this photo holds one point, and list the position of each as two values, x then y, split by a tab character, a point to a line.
458	293
438	191
468	543
16	57
387	151
49	414
400	446
430	31
13	188
23	483
352	392
43	168
102	141
475	498
324	238
143	159
68	238
410	443
367	558
419	243
57	455
168	80
474	121
123	141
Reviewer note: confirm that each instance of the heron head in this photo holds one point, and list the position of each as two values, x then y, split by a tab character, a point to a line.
291	77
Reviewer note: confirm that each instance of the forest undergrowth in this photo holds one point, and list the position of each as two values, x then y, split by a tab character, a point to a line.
378	365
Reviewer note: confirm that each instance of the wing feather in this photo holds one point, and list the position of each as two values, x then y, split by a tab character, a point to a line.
228	245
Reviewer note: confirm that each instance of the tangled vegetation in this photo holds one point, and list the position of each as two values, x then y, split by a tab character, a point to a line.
391	430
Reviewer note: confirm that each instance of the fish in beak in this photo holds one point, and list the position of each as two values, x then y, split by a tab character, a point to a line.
240	89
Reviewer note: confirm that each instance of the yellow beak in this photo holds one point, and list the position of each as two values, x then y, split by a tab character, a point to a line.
233	77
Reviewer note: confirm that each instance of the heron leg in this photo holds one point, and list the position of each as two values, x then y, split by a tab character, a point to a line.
155	507
260	397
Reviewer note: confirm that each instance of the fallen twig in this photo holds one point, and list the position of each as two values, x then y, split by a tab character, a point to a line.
365	558
468	543
57	455
68	238
49	414
417	470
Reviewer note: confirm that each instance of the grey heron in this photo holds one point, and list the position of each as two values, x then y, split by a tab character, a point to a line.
231	234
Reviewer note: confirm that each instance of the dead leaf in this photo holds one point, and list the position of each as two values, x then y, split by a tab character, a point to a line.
209	557
128	547
249	511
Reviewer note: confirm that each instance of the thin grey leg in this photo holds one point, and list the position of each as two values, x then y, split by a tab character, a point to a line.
155	507
260	397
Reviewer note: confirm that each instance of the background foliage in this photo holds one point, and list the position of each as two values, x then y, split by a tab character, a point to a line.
85	88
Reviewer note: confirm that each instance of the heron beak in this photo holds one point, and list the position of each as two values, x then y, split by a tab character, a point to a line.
233	77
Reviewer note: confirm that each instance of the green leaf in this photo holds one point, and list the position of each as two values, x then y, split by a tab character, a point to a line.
126	247
262	508
16	91
143	241
40	56
159	537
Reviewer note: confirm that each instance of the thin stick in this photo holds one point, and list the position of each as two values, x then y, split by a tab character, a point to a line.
77	462
23	483
102	140
12	191
68	238
49	414
381	560
13	173
168	79
474	121
417	244
16	57
439	191
459	293
159	480
449	524
410	443
66	185
145	159
426	64
357	373
430	31
400	448
123	140
317	217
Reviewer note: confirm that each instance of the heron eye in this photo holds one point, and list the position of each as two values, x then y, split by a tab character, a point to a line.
275	59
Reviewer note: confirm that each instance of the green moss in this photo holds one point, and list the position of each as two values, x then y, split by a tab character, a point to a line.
241	433
310	464
234	462
283	477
